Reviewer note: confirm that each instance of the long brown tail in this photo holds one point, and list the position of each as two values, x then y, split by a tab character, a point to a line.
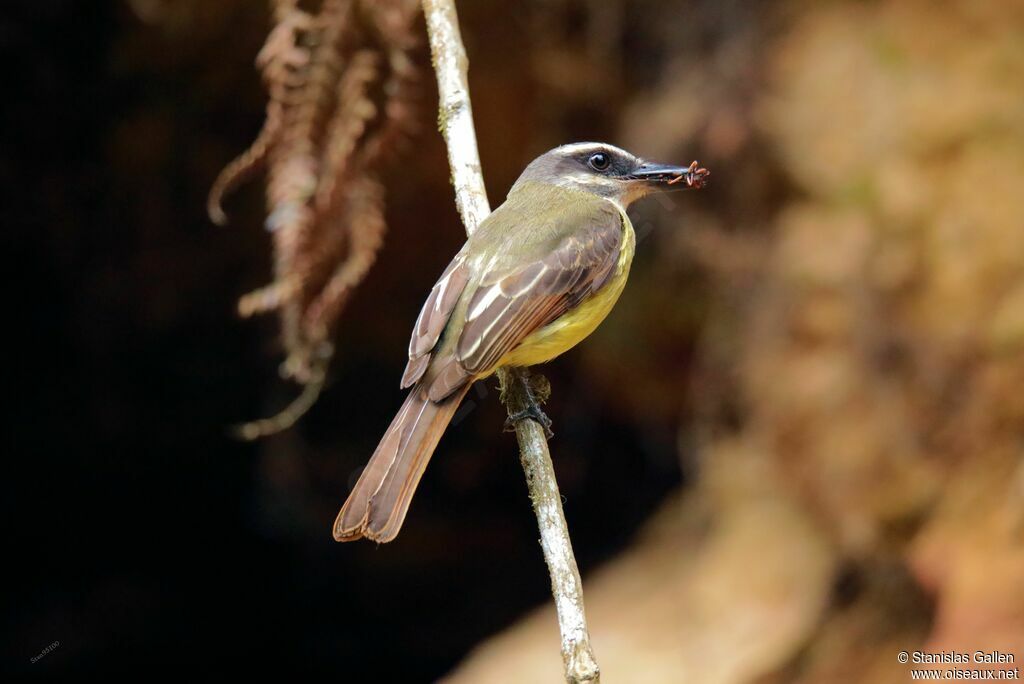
377	505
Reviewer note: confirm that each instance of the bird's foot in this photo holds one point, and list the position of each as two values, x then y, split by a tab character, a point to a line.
532	412
533	390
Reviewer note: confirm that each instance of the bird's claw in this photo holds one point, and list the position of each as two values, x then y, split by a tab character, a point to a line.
533	412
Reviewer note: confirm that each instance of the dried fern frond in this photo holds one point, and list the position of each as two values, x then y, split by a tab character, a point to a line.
338	77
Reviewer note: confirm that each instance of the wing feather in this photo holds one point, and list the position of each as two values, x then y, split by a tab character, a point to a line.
434	317
510	305
508	290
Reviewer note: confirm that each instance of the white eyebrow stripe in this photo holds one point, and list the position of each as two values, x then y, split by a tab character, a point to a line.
595	146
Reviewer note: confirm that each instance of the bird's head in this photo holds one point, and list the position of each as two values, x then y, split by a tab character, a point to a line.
608	171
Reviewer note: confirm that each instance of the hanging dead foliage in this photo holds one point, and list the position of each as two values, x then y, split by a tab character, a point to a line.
338	77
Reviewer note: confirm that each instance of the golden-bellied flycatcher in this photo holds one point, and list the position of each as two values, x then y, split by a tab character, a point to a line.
538	276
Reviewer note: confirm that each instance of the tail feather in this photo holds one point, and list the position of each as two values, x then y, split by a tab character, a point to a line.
378	503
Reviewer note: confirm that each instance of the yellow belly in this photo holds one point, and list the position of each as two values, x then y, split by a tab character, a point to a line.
571	328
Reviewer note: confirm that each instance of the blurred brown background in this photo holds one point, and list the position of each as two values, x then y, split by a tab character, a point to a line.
794	450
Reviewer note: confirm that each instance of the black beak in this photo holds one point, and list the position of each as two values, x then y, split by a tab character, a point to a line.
692	176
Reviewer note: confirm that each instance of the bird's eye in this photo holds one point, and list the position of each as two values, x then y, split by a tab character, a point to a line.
599	161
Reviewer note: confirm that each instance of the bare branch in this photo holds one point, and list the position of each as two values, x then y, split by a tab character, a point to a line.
455	113
456	124
566	586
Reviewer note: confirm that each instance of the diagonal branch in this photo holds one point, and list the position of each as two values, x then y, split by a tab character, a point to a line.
456	124
455	113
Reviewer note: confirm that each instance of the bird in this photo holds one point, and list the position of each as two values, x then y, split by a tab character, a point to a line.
538	276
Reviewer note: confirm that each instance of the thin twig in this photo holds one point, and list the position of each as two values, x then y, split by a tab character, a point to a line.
456	124
455	113
566	586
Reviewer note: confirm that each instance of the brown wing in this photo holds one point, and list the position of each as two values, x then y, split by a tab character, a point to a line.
510	303
434	317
